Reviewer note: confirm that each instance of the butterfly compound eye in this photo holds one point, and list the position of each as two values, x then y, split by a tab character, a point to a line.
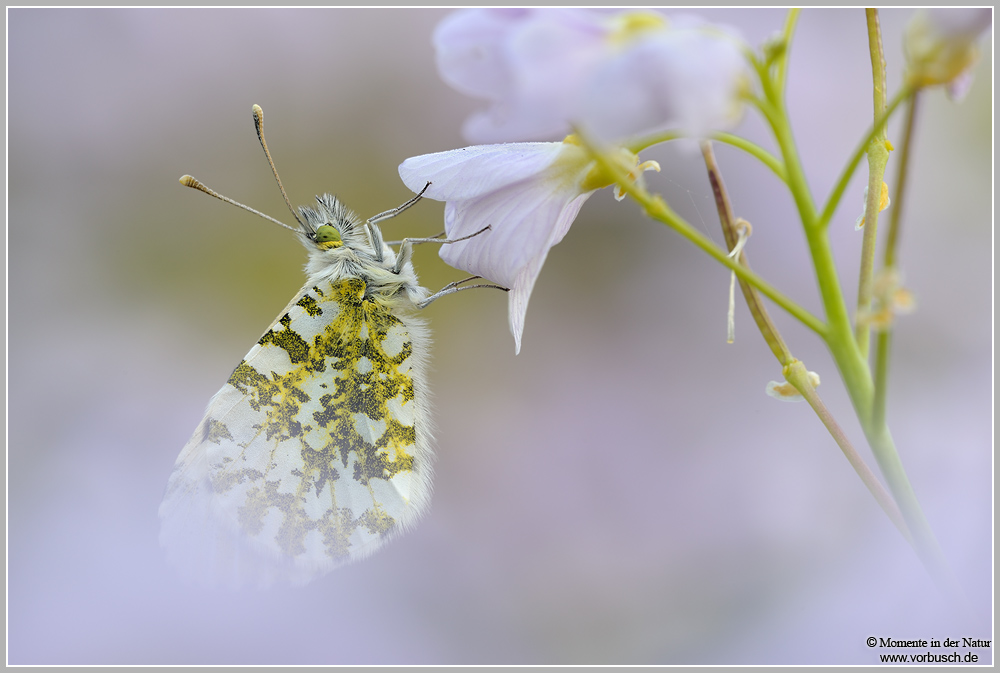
326	234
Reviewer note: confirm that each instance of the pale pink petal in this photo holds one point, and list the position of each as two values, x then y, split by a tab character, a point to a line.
471	50
526	221
958	88
964	23
551	57
473	171
528	193
690	80
543	71
511	120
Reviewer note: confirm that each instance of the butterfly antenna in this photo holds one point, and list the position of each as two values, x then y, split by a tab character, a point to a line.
258	121
194	183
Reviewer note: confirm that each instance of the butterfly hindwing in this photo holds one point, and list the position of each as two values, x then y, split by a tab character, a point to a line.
315	451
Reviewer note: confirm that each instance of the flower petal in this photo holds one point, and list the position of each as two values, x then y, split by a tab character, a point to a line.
614	74
685	78
941	45
470	49
470	172
526	221
528	193
526	62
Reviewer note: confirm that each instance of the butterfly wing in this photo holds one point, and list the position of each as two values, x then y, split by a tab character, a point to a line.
314	453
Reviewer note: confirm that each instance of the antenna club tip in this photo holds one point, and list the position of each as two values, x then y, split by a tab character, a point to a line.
189	181
258	122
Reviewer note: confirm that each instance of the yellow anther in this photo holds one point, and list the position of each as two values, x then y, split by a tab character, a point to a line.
631	26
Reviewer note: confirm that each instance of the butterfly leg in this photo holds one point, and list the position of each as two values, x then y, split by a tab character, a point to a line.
393	212
457	286
406	246
373	232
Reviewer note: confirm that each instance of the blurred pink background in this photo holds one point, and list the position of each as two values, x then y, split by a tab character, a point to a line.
620	492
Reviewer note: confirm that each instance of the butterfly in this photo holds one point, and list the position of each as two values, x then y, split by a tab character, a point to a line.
317	450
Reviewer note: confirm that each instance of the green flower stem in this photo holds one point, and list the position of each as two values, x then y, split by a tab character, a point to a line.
860	387
878	157
658	209
796	374
793	370
729	229
883	348
765	157
925	544
773	109
754	150
786	35
892	235
853	367
878	65
853	361
884	338
839	333
848	171
644	142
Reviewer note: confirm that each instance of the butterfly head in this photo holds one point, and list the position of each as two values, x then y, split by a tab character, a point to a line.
331	226
328	236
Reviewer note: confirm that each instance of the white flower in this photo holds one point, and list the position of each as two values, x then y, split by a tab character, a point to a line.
615	75
941	46
685	76
529	194
527	62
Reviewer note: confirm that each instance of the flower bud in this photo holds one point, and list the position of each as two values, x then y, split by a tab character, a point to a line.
941	46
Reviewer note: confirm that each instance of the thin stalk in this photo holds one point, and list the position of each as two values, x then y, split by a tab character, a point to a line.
796	374
874	424
839	330
754	150
884	339
643	142
883	348
658	209
765	157
839	335
892	235
876	428
728	221
837	193
794	371
786	35
878	157
924	541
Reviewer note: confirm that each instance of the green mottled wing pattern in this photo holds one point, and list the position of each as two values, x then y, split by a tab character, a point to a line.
313	453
